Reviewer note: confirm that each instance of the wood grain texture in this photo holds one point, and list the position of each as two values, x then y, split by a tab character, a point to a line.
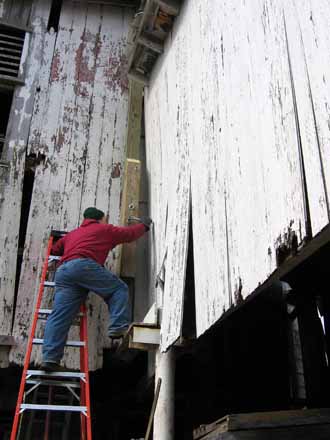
249	139
14	153
79	124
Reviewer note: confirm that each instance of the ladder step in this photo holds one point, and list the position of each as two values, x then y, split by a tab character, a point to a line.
49	284
55	383
67	374
49	311
70	408
54	257
38	341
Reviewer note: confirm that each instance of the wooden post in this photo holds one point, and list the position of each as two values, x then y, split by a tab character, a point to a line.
134	119
164	415
313	350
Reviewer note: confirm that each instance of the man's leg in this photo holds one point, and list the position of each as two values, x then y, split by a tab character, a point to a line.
68	298
114	292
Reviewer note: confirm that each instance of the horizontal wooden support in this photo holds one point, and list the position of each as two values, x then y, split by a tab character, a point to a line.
138	77
171	7
117	3
150	43
15	26
7	80
6	340
142	336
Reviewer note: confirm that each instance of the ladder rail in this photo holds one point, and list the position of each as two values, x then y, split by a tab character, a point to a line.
30	342
84	359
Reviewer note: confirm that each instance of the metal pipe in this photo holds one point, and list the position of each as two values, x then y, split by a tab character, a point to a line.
164	415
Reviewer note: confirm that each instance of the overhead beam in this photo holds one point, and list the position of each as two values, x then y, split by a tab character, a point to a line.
146	41
138	77
171	7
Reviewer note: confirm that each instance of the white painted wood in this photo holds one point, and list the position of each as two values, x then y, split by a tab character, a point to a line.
307	124
145	335
172	107
228	65
12	178
151	316
313	17
83	114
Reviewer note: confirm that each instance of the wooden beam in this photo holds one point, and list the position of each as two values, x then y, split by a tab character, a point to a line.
149	42
143	336
118	3
138	77
130	206
134	119
6	340
171	7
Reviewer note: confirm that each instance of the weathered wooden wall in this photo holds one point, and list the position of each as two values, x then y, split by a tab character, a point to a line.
78	131
14	153
18	11
237	111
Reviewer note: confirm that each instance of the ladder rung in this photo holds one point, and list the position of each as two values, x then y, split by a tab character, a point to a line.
49	284
68	343
56	383
68	374
49	311
74	408
54	257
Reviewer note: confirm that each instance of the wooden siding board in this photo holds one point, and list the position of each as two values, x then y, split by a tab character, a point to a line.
47	196
17	135
207	168
313	17
317	196
243	149
173	107
84	116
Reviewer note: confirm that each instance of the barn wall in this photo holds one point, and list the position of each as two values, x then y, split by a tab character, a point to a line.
78	133
238	108
14	153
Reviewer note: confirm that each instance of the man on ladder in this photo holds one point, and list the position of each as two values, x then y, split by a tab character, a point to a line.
84	251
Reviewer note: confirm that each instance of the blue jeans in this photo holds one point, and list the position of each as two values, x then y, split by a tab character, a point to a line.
73	280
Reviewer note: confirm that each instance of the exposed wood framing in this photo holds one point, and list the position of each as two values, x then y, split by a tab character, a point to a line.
152	26
171	7
79	124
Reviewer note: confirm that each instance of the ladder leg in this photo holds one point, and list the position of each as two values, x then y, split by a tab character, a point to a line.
48	416
82	383
13	434
84	359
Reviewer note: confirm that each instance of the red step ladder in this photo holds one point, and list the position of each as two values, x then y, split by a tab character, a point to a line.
32	379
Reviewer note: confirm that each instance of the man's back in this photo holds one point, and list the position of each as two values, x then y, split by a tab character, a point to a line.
94	240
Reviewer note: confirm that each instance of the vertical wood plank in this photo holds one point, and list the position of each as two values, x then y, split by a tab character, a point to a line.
313	17
317	196
17	135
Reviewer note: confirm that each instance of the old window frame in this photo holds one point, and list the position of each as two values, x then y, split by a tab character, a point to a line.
11	80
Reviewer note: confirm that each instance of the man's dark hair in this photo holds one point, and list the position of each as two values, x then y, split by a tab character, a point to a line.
93	213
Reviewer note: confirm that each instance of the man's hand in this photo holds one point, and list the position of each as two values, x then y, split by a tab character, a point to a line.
146	221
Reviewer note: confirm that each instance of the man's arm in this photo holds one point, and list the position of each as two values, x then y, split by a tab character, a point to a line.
58	247
126	234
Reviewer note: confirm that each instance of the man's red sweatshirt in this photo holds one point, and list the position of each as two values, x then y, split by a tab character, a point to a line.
94	240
